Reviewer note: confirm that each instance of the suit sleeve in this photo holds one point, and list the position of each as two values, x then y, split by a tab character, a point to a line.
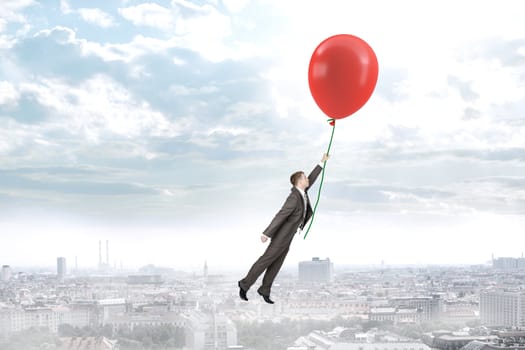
313	175
288	207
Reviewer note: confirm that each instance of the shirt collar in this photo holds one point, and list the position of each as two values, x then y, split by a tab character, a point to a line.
300	191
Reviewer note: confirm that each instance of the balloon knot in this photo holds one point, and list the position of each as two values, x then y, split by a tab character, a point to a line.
331	122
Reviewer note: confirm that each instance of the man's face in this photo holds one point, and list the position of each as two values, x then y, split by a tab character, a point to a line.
303	181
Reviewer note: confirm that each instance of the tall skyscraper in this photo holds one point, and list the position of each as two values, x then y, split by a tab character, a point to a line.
6	273
316	271
61	267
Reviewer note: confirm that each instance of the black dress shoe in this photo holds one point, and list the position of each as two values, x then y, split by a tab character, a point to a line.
242	292
266	297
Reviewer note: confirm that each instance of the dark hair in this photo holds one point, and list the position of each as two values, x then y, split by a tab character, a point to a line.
295	177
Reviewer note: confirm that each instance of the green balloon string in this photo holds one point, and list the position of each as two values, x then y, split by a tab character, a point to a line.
332	122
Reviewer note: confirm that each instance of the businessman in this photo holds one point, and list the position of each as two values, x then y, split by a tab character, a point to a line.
293	216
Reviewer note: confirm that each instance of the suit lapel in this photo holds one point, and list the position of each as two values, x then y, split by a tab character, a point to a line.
301	200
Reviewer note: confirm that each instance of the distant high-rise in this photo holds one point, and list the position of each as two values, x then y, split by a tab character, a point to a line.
205	270
61	267
99	254
316	271
508	263
6	273
502	308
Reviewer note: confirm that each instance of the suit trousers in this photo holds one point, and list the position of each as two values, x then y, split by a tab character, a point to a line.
271	261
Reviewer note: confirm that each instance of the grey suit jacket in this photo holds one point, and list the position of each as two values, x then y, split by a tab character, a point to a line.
290	217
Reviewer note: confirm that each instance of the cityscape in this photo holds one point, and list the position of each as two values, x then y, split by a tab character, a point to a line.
319	306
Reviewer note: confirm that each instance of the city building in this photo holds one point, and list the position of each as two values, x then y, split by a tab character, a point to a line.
485	339
6	273
481	345
320	305
316	271
145	279
455	311
87	343
210	331
133	319
446	340
341	338
15	319
107	309
430	307
61	268
508	263
502	308
82	314
395	315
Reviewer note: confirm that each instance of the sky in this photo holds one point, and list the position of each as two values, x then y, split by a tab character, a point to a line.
170	128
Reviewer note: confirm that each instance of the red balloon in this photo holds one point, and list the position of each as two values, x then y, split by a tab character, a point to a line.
342	75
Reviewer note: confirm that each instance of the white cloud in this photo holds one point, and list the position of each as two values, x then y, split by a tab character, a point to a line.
492	195
65	7
218	25
205	30
108	52
123	52
90	15
62	35
10	11
141	45
149	14
97	118
9	95
227	131
243	109
97	109
15	136
202	29
235	5
96	16
413	203
182	90
178	61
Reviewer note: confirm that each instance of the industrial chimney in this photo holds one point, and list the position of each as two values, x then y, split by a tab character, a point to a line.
99	254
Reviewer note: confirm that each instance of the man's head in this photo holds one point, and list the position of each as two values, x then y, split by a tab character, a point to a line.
299	179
